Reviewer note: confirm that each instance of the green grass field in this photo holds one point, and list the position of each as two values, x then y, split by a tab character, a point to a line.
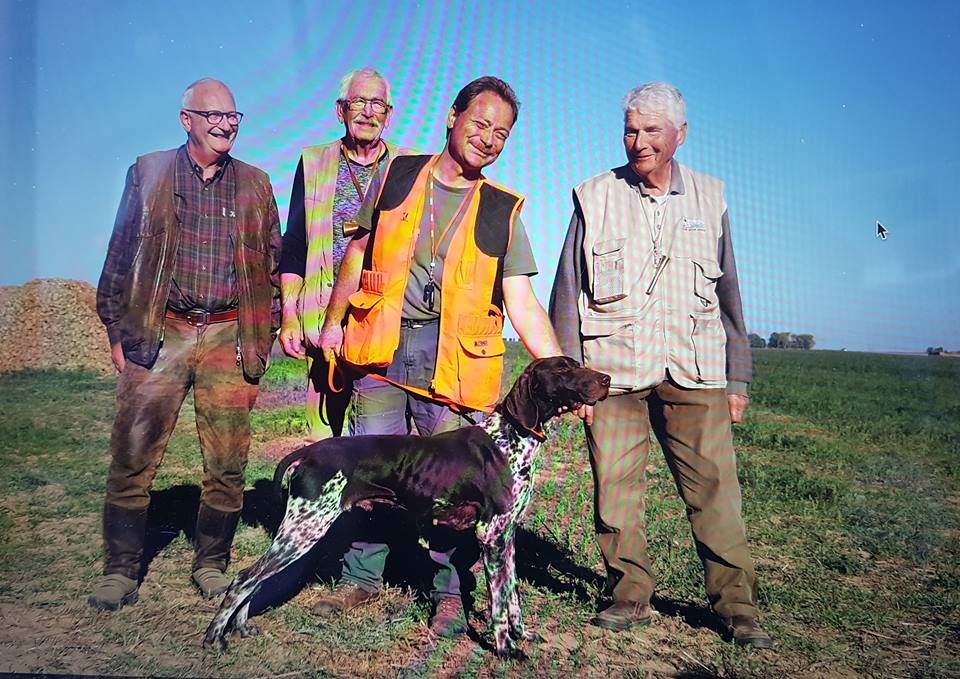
851	496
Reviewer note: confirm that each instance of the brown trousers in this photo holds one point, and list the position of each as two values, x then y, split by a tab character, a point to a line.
693	428
148	404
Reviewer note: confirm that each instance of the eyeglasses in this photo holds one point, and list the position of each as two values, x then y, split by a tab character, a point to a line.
358	104
214	117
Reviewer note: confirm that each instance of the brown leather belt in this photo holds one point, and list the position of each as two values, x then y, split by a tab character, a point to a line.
199	317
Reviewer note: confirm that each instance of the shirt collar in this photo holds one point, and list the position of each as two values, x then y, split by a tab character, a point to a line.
197	171
676	180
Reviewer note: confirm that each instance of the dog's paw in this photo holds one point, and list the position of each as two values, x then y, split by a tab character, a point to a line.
530	636
246	630
215	643
511	652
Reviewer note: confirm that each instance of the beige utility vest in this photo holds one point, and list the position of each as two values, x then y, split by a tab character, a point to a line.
320	165
629	330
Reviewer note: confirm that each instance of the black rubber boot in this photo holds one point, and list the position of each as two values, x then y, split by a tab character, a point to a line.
211	549
124	531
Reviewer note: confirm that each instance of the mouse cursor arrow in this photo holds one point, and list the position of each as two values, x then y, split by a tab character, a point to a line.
881	231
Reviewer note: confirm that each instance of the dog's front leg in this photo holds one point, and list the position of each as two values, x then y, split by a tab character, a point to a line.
494	546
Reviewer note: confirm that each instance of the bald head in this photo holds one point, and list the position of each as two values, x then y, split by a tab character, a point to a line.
201	88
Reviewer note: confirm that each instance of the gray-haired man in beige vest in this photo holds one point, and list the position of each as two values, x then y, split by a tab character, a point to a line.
647	291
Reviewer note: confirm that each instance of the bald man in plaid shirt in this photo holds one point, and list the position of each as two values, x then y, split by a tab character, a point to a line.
190	298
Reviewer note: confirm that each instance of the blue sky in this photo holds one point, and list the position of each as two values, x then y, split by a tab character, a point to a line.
821	117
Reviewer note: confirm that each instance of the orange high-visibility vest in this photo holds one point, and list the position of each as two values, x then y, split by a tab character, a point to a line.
470	347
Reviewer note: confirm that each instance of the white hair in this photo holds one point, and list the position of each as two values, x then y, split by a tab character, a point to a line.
659	98
365	72
188	93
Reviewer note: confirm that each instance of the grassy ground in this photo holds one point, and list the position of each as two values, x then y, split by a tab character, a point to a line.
851	496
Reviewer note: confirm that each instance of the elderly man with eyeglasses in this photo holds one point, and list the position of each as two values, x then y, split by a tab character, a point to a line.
328	189
190	297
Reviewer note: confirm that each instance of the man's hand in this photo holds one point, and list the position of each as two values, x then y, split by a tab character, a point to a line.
737	403
291	340
331	339
116	354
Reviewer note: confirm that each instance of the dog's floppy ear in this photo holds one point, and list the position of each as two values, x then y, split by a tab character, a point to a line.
520	405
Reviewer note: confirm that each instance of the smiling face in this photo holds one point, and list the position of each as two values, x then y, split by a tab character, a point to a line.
478	134
208	142
650	140
364	127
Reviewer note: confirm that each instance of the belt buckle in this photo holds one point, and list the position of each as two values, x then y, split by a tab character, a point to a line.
196	317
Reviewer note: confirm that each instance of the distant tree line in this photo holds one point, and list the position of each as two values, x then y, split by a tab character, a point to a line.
782	340
937	351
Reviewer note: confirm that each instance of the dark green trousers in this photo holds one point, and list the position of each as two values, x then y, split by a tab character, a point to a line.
693	428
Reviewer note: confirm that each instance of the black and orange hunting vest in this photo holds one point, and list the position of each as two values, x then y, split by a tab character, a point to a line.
470	347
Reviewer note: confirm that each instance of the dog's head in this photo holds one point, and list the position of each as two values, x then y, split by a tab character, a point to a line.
546	386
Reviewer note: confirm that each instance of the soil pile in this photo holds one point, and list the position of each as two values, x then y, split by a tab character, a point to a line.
52	323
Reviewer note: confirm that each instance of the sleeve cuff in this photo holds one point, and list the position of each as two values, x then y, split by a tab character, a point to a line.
734	387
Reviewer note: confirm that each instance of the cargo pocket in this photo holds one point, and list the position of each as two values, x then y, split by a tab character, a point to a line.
709	347
608	271
372	332
480	358
705	276
622	348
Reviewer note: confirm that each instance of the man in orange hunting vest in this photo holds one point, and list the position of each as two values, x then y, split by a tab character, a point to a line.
440	252
328	189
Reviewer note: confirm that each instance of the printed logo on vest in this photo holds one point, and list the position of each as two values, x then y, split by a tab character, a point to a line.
693	224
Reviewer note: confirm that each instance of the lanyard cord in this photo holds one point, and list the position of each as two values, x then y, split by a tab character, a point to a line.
434	244
429	294
353	177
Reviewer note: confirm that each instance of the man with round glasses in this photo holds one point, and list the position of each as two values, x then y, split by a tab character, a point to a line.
328	188
190	297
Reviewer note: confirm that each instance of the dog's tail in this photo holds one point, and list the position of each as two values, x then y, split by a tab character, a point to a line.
287	464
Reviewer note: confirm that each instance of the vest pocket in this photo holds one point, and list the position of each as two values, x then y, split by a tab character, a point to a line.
709	344
705	277
624	348
372	332
480	352
608	271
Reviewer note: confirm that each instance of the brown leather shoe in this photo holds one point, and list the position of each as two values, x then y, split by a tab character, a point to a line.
343	598
449	618
744	630
623	615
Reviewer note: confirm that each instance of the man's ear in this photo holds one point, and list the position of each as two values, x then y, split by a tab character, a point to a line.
185	121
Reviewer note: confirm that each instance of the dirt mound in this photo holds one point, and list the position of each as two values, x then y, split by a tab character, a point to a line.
52	323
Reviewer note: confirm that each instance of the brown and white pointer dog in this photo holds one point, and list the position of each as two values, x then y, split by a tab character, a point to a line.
480	475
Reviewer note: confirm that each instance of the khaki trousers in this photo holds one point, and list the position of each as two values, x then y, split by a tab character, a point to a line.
693	428
148	404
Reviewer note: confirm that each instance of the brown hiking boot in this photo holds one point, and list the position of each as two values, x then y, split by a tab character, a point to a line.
623	615
449	618
344	597
210	582
113	592
744	630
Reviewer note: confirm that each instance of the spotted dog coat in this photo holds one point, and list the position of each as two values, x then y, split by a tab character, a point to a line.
480	475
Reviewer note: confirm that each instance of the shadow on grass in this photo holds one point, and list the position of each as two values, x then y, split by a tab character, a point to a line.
540	562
